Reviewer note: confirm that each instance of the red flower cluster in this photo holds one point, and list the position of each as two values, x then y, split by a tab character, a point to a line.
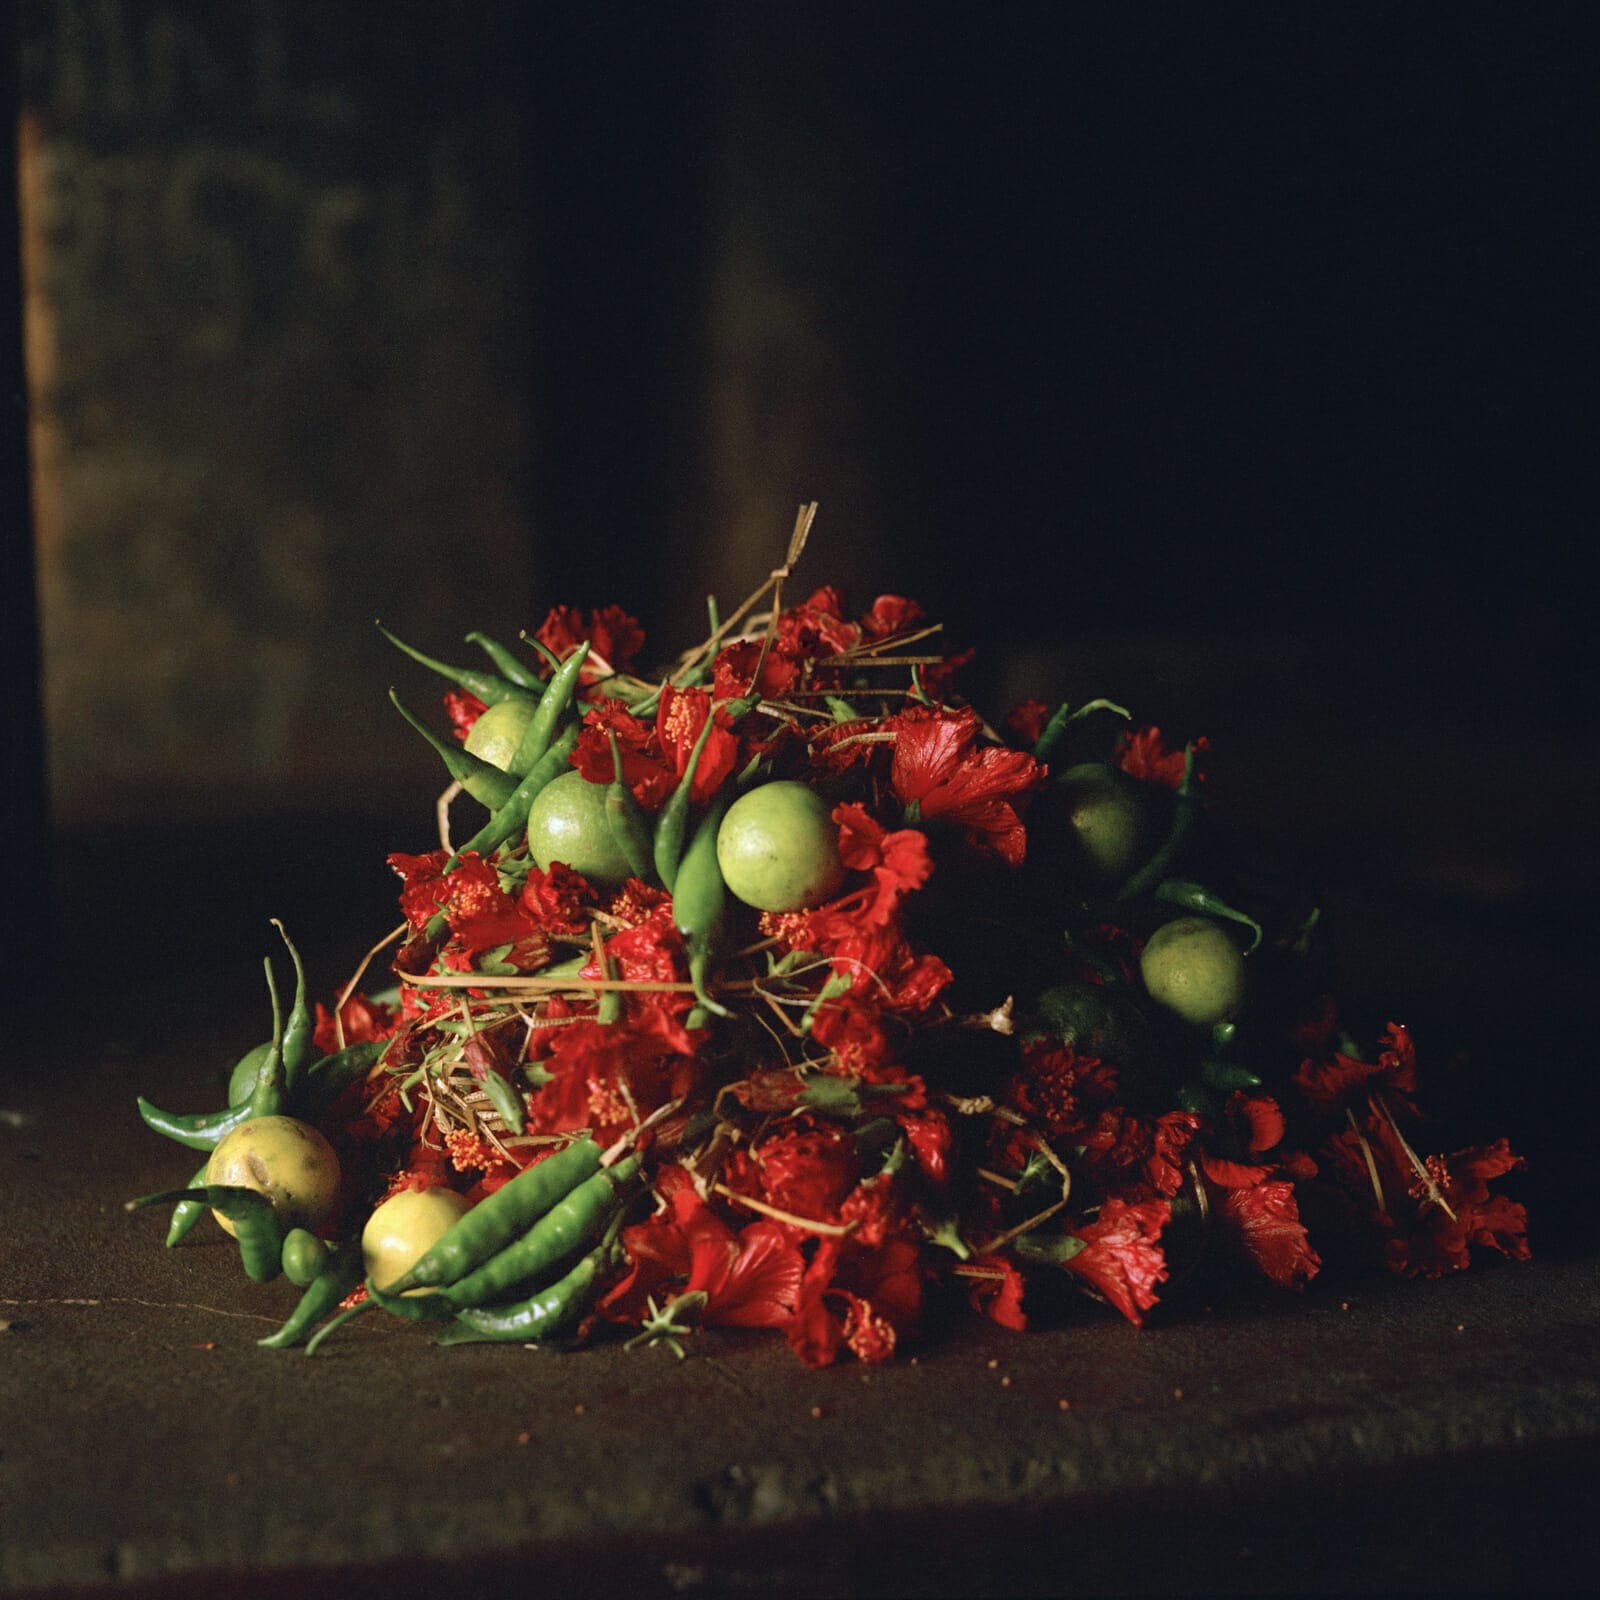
830	1144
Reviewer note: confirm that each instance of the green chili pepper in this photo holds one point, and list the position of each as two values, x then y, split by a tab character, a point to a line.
541	729
629	825
513	815
1055	730
1196	897
255	1223
672	825
568	1225
188	1212
481	779
1227	1075
340	1273
512	668
539	1316
500	1217
700	899
505	1100
297	1031
487	686
332	1075
1185	813
303	1257
206	1129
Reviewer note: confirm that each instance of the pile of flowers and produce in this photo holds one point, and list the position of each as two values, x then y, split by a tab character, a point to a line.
782	990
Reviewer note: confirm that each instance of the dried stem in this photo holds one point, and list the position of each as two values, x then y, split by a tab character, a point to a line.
833	1230
1434	1192
350	988
1366	1152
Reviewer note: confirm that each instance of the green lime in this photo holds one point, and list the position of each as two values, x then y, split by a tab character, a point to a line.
1193	968
242	1081
779	849
497	733
568	823
1107	822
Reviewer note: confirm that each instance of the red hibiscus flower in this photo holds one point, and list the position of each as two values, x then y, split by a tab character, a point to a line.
1144	755
1329	1086
1122	1258
940	773
1264	1222
359	1020
996	1288
614	638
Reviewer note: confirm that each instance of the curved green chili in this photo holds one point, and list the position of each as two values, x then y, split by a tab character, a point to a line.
541	1314
700	899
541	729
1184	816
297	1031
569	1224
255	1223
340	1273
1196	897
513	815
672	824
489	687
206	1129
481	779
629	825
500	1217
188	1212
512	668
332	1075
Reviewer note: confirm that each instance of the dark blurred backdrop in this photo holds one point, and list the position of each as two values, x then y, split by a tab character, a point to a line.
1237	362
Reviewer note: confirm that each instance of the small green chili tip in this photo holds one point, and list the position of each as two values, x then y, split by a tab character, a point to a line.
489	687
509	665
484	781
188	1212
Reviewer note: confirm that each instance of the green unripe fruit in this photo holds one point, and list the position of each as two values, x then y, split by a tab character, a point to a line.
494	737
1107	822
1193	968
568	823
286	1160
779	849
242	1081
303	1256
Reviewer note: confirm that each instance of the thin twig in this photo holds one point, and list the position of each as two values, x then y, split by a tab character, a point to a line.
350	988
833	1230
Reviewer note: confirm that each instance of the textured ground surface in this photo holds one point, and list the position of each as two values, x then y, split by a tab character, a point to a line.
1377	1436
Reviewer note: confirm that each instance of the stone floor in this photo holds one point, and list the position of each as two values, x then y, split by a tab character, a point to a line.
1362	1437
